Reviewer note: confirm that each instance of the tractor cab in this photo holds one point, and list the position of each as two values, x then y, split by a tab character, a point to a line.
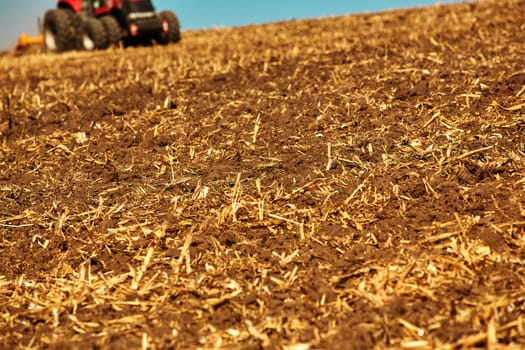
86	7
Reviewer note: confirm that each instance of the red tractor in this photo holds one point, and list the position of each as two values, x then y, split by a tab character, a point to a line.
98	24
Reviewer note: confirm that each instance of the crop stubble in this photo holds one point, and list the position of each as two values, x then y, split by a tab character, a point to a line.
352	182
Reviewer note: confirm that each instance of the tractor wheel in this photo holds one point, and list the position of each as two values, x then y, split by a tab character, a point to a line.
94	35
113	31
77	23
173	33
59	30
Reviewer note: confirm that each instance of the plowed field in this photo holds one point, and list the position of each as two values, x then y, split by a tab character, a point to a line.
344	183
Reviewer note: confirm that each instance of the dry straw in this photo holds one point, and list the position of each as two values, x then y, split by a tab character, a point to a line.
345	182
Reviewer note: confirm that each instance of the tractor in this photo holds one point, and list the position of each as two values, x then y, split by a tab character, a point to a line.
99	24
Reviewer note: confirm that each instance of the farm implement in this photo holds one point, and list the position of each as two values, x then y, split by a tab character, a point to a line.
99	24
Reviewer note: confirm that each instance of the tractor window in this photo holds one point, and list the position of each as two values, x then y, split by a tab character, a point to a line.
87	4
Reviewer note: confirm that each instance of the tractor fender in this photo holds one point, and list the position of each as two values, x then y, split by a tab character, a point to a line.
75	5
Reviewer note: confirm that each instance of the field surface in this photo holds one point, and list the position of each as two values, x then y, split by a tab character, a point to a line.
345	183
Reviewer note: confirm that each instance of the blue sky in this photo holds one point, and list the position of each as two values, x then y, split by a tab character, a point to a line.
17	16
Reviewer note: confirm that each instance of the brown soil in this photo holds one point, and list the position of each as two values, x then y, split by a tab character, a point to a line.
352	182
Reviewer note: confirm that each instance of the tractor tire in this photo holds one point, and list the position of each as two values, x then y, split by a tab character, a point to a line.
59	30
94	35
113	31
77	23
173	33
